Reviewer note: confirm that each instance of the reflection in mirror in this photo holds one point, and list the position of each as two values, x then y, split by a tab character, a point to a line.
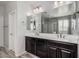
49	25
73	24
31	24
55	25
63	25
59	25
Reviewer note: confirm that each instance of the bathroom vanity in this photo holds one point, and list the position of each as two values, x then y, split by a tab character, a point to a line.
64	20
46	48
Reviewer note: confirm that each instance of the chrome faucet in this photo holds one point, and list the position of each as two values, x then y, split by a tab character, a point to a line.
62	36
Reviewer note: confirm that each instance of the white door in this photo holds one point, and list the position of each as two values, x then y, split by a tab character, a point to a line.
12	27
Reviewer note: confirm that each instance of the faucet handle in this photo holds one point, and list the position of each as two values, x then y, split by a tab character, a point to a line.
58	35
63	36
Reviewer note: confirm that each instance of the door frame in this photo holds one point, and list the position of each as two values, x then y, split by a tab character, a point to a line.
9	14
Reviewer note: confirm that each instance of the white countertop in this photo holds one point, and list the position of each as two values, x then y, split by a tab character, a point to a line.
68	38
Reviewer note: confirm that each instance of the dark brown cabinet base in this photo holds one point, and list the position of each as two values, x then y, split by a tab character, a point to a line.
49	48
41	48
52	52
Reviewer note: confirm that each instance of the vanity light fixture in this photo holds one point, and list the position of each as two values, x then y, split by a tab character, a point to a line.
38	10
41	9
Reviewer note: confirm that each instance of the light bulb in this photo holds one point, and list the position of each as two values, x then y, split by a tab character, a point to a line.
61	2
56	3
29	14
41	9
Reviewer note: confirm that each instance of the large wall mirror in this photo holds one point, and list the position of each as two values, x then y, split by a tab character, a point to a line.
55	25
60	25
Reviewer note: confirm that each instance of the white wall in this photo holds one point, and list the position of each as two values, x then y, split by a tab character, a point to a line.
18	43
1	25
9	7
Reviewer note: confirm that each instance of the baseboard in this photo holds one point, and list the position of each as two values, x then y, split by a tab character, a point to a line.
17	55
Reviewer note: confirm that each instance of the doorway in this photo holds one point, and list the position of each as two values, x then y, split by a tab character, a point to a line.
12	29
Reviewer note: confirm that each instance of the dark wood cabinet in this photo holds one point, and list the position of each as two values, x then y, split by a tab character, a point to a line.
50	48
41	54
41	45
41	49
56	52
62	49
66	54
52	52
33	46
28	44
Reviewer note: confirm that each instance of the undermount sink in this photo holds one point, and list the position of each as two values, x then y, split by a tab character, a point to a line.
68	40
64	39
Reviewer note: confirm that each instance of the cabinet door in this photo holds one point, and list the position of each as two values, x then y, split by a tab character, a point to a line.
52	52
66	54
41	54
28	44
41	48
33	46
41	45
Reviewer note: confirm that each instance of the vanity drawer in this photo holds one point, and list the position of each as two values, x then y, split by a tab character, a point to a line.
62	44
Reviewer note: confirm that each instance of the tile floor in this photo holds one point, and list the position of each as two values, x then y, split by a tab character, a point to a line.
25	56
5	54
